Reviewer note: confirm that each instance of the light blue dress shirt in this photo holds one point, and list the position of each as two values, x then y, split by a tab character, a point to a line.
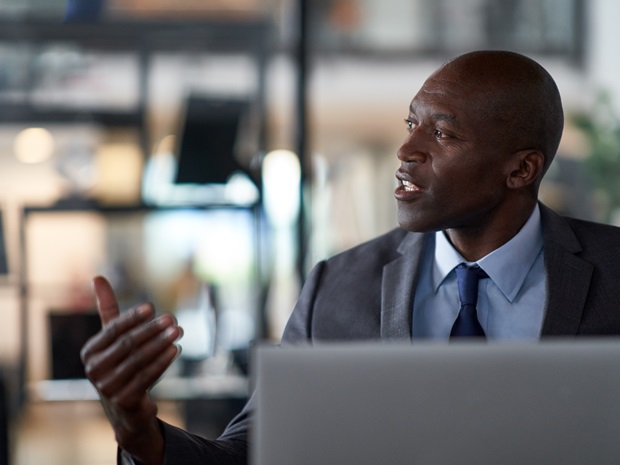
511	302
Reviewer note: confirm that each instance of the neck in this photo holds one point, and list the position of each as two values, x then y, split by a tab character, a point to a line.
477	241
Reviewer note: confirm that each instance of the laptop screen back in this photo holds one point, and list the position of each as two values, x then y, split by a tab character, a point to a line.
478	404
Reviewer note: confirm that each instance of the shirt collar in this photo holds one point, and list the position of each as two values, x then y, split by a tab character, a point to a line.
507	266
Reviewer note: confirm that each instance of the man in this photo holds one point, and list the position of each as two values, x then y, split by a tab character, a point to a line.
482	131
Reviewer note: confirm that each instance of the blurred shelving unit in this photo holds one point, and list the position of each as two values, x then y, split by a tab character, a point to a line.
43	49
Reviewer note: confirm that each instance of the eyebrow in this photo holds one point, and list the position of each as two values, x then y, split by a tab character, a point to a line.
440	116
444	117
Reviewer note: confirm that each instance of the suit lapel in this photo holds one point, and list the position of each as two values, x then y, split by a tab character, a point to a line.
568	277
398	284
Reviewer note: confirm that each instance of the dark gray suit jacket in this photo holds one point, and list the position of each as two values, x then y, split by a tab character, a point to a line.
367	293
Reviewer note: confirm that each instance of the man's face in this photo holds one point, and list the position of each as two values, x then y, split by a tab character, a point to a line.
453	163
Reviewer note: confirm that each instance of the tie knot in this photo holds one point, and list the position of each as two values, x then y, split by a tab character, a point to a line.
467	278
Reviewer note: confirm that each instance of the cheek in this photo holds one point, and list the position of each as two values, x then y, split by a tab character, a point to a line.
466	184
477	165
449	179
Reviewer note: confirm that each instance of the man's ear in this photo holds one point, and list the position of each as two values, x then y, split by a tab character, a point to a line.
526	169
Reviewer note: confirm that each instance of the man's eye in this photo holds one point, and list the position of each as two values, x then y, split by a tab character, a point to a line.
439	134
410	125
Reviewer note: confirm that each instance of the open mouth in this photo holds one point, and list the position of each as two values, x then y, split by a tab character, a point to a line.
408	186
407	190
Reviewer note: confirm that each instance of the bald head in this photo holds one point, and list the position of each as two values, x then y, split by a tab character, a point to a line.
514	91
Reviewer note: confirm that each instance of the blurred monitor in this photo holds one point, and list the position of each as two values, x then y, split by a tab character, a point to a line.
69	331
206	149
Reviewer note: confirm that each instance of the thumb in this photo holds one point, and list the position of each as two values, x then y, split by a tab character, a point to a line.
107	304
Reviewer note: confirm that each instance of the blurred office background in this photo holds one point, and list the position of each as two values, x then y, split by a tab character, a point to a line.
203	155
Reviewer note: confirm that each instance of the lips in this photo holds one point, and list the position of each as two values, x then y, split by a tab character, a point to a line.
407	189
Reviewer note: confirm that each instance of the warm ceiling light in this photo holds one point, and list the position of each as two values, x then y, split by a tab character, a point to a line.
33	145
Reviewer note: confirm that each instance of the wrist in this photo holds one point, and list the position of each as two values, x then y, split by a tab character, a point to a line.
145	448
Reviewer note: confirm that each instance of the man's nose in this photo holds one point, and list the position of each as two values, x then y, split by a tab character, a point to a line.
412	149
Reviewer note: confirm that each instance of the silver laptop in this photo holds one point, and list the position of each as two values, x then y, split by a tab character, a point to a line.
480	404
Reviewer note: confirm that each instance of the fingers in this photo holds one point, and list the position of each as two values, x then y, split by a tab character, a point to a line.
115	329
130	354
142	380
135	349
107	304
125	371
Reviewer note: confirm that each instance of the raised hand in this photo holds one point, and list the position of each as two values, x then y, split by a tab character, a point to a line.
123	360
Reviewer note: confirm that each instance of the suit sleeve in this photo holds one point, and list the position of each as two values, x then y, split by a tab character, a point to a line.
184	448
299	326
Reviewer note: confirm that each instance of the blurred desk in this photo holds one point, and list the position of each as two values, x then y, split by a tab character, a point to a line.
206	403
172	388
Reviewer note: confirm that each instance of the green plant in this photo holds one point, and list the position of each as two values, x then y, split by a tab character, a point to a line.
602	128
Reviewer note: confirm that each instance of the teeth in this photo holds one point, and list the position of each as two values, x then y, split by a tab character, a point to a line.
409	186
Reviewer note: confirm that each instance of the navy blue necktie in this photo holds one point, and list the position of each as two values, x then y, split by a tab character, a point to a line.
467	324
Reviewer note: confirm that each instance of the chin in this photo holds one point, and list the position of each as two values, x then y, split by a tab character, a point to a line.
417	223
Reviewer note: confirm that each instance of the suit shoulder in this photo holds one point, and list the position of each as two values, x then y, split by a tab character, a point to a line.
385	245
592	231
